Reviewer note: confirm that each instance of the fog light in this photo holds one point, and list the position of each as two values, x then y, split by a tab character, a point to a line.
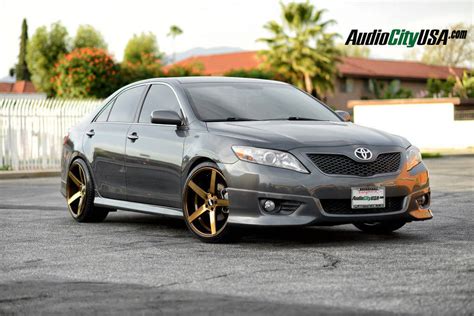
269	206
423	200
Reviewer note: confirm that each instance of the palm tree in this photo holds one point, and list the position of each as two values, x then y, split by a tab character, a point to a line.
300	49
173	33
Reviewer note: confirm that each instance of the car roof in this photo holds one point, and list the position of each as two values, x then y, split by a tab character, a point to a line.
208	79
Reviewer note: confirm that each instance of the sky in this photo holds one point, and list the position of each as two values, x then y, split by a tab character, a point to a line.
211	23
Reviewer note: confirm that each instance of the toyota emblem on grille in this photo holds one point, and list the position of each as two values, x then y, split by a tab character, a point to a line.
363	153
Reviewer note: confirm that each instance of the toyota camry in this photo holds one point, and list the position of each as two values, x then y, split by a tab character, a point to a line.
226	152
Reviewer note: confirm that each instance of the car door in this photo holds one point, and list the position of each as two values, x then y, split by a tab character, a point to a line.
105	142
154	152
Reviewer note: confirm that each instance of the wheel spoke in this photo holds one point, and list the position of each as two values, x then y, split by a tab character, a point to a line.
81	174
212	217
212	185
197	213
74	179
79	208
74	197
200	192
221	202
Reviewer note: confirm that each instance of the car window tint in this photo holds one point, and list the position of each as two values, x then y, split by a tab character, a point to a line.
126	104
158	98
256	101
105	112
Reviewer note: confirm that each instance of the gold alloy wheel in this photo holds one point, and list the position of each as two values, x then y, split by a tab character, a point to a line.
206	205
76	190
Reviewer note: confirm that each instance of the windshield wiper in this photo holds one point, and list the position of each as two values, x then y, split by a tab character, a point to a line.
295	118
233	119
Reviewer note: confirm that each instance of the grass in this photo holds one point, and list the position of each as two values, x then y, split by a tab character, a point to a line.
5	168
431	155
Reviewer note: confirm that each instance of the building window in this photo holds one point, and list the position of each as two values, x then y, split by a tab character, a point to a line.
369	85
347	85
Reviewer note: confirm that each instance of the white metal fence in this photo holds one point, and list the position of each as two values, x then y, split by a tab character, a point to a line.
32	131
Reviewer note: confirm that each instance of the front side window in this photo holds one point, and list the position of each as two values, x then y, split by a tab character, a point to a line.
158	98
254	101
125	105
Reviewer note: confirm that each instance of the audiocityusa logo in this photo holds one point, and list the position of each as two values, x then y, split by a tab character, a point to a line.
404	38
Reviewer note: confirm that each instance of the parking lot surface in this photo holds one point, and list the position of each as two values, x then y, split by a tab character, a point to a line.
136	263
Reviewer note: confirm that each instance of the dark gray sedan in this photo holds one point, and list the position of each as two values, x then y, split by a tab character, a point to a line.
224	152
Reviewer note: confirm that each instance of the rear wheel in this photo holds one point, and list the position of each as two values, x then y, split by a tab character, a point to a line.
80	194
206	203
380	227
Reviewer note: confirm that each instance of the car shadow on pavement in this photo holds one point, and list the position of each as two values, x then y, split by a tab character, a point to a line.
334	236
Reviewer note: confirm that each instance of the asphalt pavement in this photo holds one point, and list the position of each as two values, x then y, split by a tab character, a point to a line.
144	264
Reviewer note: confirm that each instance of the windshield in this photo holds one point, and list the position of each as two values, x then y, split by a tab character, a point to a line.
254	101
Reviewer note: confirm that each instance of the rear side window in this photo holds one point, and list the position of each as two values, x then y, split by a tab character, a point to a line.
158	98
105	112
126	105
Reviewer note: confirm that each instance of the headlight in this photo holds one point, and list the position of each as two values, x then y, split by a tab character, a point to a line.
269	157
413	157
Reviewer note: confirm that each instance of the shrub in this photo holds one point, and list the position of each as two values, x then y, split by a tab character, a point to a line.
195	69
85	73
251	73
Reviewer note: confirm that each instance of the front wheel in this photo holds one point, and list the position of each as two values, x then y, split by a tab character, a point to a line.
80	194
379	227
206	203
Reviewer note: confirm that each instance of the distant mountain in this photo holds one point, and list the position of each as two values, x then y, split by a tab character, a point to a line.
201	51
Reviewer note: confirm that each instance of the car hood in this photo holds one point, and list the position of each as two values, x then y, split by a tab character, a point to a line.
295	134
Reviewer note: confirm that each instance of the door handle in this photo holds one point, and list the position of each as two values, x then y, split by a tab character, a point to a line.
132	136
90	133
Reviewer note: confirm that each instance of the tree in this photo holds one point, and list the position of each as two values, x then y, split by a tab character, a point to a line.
140	47
85	73
457	52
88	36
141	59
173	33
43	51
300	49
354	51
147	67
21	69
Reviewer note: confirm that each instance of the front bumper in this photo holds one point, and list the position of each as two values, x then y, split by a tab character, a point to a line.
249	184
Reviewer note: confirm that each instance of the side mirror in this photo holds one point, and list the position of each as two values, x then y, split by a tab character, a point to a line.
166	117
344	115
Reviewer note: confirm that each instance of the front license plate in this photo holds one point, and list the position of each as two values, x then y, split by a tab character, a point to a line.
368	197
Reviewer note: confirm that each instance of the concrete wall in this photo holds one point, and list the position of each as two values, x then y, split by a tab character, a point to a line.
426	123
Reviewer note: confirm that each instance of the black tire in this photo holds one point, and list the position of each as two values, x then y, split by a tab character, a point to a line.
380	227
223	235
84	209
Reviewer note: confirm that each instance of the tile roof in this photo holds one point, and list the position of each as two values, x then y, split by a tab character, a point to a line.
219	64
17	87
350	66
364	67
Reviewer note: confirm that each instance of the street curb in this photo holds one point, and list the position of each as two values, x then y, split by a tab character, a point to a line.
5	175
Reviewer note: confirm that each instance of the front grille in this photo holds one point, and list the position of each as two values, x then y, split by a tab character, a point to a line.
343	165
343	206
